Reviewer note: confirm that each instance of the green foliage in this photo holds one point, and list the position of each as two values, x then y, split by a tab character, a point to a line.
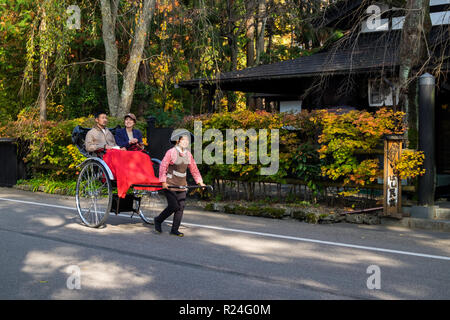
344	134
254	210
166	119
49	39
245	120
48	185
410	164
49	144
15	21
300	155
323	145
84	96
187	39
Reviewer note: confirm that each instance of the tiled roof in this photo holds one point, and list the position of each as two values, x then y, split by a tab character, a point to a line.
357	60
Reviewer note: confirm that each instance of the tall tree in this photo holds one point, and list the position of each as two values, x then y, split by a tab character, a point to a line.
15	23
109	16
261	28
43	72
49	39
412	52
250	31
119	105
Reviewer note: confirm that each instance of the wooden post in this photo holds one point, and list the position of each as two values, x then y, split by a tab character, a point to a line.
392	202
427	182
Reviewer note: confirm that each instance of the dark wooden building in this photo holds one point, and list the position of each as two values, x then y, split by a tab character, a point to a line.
359	72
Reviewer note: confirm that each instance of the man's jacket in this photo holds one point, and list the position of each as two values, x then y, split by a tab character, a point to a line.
96	139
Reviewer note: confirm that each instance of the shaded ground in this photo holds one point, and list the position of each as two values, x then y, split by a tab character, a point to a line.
221	257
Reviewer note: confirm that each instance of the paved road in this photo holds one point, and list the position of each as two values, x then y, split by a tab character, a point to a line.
221	257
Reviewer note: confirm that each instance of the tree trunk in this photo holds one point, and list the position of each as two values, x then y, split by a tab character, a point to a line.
130	74
109	13
261	26
412	51
231	34
250	7
143	77
250	32
43	74
43	88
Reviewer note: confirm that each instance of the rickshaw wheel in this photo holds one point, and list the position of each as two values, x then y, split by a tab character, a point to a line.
152	204
93	194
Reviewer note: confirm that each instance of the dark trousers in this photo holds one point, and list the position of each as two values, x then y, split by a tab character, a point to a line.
175	204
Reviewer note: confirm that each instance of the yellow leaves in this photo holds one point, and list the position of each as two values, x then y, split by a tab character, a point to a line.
349	193
75	155
246	170
343	134
410	164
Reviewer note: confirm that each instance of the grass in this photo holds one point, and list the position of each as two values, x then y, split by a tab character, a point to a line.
47	185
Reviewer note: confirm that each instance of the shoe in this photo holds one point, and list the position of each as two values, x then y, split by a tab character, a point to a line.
177	233
157	226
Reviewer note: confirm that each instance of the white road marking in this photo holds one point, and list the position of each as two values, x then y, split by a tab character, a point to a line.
263	234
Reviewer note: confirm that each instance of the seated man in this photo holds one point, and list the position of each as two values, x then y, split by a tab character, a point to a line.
99	138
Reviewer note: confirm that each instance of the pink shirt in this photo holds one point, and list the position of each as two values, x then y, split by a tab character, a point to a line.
170	158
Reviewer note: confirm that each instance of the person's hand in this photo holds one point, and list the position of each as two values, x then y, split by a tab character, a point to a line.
165	185
123	148
133	141
202	184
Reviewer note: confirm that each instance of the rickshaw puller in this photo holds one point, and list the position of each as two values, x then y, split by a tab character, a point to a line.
172	172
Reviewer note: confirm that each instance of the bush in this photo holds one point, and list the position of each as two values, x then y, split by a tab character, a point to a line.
245	119
314	146
344	134
48	144
409	166
50	186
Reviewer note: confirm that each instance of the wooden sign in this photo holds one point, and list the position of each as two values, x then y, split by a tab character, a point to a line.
392	203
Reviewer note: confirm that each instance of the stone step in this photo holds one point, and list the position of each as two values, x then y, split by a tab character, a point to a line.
442	214
419	223
435	212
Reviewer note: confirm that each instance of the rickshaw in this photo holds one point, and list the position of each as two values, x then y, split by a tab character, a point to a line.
96	190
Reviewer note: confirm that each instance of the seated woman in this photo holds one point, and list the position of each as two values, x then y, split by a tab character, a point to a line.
128	137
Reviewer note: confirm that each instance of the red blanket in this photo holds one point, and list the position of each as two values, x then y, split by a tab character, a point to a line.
130	167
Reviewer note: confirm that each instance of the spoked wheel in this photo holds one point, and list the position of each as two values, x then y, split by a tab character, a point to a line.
152	204
93	195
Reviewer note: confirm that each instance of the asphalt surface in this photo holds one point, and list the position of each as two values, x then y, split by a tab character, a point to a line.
221	257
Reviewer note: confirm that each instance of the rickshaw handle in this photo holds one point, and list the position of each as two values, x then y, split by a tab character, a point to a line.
173	187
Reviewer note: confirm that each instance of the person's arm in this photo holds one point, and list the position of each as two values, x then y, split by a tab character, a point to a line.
164	166
111	141
138	135
194	171
121	139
